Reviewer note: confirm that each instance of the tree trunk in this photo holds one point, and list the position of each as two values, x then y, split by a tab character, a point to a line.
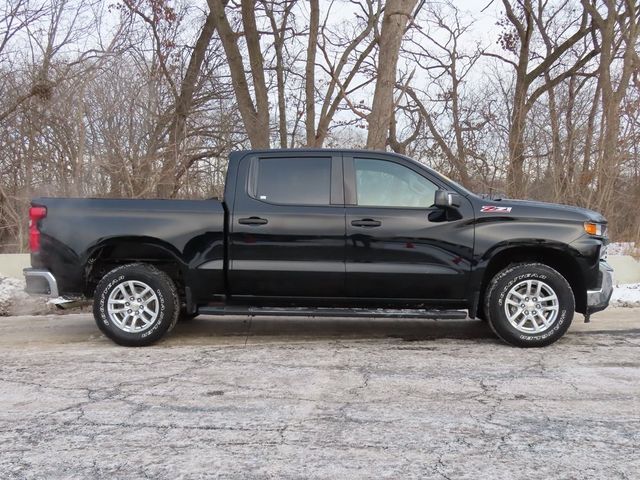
255	119
173	153
515	173
256	62
310	75
282	105
524	24
278	44
556	163
461	157
396	16
613	87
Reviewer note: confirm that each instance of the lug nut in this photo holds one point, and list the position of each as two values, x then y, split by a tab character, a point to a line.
538	306
139	299
521	305
535	299
127	304
128	311
534	312
131	298
526	312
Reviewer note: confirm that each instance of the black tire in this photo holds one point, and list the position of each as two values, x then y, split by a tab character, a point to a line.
166	304
506	282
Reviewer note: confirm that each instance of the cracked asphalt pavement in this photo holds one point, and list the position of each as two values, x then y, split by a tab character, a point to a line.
319	398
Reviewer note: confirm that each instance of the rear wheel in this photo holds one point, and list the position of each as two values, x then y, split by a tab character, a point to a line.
529	305
136	304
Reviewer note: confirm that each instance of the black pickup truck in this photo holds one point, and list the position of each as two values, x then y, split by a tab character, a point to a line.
323	233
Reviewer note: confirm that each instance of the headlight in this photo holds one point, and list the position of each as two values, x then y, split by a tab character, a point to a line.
593	228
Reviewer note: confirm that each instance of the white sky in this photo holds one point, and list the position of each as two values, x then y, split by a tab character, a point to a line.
485	21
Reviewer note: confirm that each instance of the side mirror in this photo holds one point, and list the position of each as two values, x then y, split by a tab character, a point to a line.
446	199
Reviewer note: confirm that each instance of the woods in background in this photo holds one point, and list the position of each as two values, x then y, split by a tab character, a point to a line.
145	98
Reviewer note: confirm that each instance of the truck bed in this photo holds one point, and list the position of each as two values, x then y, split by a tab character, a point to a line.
192	231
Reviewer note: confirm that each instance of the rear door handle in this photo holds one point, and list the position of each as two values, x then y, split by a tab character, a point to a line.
366	222
253	221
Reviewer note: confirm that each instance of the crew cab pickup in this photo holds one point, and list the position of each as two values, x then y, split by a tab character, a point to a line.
323	233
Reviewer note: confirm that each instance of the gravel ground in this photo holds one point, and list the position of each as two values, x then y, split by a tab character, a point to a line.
303	398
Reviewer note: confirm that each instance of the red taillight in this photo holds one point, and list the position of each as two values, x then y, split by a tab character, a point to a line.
35	214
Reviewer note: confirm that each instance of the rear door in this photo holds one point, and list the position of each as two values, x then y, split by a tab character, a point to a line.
287	231
399	246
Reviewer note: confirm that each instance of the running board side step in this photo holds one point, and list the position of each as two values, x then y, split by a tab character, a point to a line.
334	312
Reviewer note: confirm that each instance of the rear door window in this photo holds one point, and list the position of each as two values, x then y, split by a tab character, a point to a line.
294	181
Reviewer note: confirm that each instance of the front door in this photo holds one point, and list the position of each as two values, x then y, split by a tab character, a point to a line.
399	246
287	231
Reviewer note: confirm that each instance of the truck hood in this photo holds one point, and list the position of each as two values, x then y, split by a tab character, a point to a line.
533	207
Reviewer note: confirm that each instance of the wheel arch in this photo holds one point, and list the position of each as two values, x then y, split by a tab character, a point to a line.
112	252
558	257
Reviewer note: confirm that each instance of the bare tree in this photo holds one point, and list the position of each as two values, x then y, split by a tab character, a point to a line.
523	20
397	15
145	98
16	18
177	130
618	28
444	102
310	69
343	65
279	30
255	116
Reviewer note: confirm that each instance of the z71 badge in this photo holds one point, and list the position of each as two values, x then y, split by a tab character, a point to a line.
494	209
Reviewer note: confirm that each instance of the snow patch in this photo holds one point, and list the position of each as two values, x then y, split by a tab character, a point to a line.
14	301
10	289
626	295
623	248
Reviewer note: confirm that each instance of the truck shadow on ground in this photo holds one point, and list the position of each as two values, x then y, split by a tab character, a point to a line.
323	328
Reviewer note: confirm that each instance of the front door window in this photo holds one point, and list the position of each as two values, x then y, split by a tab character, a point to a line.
382	183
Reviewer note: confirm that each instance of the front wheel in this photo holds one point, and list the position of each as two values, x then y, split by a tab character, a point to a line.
136	304
529	305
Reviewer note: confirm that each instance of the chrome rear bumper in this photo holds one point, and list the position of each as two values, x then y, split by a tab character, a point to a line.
599	299
41	282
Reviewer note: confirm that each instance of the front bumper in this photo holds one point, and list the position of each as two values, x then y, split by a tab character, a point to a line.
41	282
598	300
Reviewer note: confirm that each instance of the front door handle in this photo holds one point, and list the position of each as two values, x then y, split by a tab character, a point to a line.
366	222
253	221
